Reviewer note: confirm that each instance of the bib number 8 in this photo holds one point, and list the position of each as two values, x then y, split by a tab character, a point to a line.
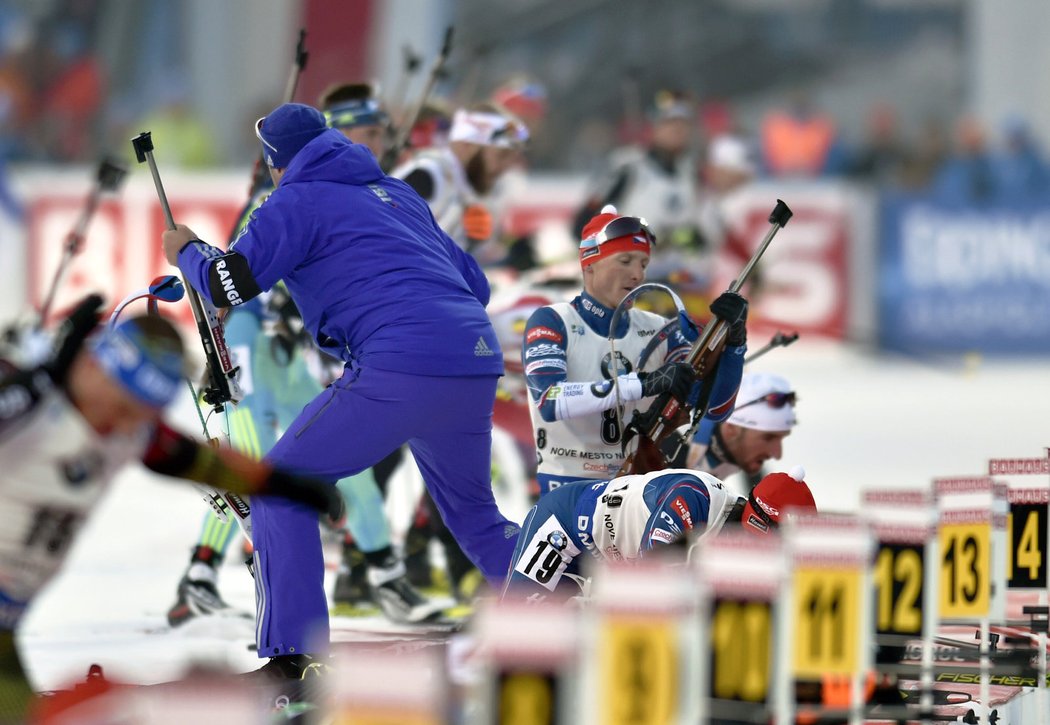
610	430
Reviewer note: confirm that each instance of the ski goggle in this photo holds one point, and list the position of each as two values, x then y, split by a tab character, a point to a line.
355	113
488	129
624	226
773	400
513	135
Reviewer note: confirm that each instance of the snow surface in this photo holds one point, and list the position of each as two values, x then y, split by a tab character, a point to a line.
864	422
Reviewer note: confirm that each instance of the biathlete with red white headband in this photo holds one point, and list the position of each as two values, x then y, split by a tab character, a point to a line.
576	411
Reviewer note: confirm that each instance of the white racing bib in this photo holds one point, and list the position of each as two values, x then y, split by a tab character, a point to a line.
547	554
55	469
589	446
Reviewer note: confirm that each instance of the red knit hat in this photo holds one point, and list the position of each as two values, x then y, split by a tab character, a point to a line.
596	244
775	494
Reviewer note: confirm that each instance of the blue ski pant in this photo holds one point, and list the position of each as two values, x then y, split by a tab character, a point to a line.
353	424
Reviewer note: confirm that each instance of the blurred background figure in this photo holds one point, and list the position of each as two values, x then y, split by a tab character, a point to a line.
924	157
881	155
354	109
656	181
729	166
183	140
430	129
75	92
966	176
1019	169
457	180
526	98
800	140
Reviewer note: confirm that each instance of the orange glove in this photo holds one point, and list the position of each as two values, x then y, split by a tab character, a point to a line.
477	223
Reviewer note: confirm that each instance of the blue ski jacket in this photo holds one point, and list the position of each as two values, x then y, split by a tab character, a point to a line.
375	278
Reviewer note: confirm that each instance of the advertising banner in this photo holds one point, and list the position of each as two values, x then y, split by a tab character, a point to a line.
957	279
810	280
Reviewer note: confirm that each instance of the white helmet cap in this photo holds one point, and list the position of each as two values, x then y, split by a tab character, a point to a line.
730	152
764	402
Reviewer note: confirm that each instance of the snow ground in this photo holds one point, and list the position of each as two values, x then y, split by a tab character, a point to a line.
864	422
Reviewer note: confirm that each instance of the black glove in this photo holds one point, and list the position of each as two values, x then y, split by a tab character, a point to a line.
70	337
676	378
324	497
732	308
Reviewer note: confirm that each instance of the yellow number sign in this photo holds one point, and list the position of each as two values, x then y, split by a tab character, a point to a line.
827	621
741	642
898	582
966	566
640	665
526	698
1026	546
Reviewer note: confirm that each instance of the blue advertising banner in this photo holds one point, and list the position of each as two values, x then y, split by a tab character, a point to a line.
960	279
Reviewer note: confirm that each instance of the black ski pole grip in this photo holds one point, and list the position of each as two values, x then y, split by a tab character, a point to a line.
446	43
143	144
301	54
111	173
780	214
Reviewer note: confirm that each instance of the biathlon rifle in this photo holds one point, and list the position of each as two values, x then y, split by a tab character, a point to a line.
392	154
109	177
411	62
666	413
169	288
778	340
260	173
222	386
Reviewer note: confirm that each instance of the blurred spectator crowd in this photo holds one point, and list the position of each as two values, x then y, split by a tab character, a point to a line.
52	85
57	105
952	160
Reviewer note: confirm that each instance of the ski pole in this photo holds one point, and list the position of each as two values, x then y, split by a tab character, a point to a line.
223	387
109	176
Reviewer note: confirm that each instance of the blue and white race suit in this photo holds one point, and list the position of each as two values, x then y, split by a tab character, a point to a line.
573	383
618	520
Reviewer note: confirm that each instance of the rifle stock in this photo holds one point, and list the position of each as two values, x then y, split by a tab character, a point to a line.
666	413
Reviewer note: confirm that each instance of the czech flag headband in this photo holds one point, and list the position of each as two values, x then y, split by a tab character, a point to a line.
609	233
488	129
